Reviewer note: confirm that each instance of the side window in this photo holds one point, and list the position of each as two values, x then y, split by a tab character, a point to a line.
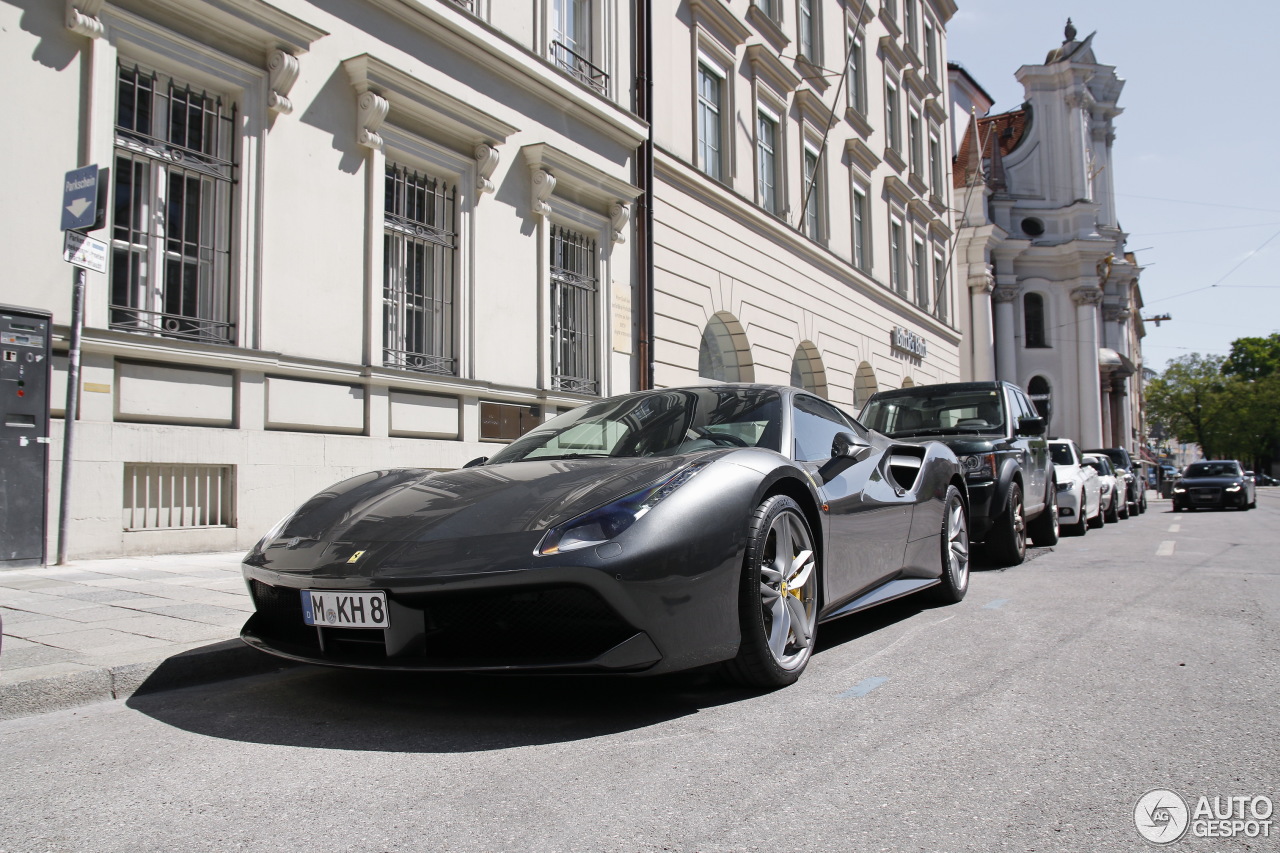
815	424
1021	407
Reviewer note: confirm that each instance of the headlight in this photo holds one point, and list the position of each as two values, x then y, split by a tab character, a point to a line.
1065	487
1179	489
1234	488
609	521
980	466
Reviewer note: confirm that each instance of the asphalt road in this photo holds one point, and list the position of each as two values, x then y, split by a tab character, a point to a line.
1032	716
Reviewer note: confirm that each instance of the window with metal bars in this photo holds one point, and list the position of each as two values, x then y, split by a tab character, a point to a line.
175	178
170	497
574	292
419	258
573	44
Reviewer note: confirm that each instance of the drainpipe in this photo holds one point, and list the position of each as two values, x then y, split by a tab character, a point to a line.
644	223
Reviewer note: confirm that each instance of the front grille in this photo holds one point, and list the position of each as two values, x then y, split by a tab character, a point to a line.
542	626
528	626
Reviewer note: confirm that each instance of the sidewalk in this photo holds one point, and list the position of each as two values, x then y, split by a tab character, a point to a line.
102	629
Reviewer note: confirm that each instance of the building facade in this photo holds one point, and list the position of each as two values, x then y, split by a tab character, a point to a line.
340	237
802	201
1053	297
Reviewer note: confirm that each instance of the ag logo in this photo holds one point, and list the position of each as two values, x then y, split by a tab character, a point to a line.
1161	816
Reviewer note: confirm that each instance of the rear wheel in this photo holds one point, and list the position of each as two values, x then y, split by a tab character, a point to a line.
1113	511
778	599
955	549
1008	540
1045	530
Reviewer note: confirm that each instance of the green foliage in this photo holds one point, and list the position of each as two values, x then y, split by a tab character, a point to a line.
1230	408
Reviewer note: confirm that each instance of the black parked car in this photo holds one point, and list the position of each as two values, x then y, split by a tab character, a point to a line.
1135	481
646	533
1220	483
998	435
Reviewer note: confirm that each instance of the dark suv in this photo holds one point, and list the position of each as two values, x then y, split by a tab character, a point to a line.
999	437
1135	481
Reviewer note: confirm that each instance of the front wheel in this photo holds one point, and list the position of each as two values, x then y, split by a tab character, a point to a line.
1113	511
1008	542
778	599
955	549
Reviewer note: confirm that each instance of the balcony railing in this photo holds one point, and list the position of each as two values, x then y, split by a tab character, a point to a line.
580	67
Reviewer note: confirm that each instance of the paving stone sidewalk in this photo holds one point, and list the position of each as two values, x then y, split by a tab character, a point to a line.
103	629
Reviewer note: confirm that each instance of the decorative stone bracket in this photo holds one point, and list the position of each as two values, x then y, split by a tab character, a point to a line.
82	17
371	113
619	216
486	162
283	70
543	183
1086	296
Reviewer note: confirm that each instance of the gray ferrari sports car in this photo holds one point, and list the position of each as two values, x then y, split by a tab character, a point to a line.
646	533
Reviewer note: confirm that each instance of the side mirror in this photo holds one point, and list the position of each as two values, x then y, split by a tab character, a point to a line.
847	450
477	462
1031	426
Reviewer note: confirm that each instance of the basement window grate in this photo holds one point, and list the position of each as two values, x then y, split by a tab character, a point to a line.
178	497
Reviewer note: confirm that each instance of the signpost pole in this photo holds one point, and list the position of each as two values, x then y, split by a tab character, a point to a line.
73	406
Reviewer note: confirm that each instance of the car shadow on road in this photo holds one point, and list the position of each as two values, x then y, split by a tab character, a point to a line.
324	708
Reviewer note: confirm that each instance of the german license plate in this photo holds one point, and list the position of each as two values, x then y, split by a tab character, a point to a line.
333	609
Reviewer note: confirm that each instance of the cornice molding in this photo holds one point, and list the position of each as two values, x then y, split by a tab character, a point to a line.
861	155
416	103
767	66
249	22
716	20
554	171
859	123
891	52
768	28
812	108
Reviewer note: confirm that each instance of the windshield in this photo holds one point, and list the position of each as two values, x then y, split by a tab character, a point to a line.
661	423
1061	454
1212	469
929	412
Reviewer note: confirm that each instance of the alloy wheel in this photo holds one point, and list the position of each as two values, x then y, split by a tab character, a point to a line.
788	590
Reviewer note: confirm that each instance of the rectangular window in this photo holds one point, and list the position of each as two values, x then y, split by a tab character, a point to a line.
909	21
920	263
892	110
767	162
814	192
857	86
771	8
710	122
175	497
808	30
175	178
572	43
861	230
939	287
897	258
935	165
930	49
891	6
419	256
575	290
915	143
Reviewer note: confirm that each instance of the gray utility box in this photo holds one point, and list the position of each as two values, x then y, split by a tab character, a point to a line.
25	371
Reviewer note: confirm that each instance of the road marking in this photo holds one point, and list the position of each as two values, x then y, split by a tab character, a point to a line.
1166	548
992	605
863	687
1177	518
1174	528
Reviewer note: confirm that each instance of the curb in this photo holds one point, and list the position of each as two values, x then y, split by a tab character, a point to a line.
82	686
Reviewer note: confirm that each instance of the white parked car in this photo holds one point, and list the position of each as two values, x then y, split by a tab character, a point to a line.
1114	505
1079	488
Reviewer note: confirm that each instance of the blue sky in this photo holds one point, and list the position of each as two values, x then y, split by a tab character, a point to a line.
1197	174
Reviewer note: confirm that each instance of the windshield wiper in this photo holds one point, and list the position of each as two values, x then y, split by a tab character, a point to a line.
565	456
943	431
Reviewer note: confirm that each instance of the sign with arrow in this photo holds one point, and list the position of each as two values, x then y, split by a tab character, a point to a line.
80	199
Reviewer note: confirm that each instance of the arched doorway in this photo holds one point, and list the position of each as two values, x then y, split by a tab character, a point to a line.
864	384
807	371
724	354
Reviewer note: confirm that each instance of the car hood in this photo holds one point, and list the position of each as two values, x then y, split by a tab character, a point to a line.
961	445
1209	481
1069	472
484	515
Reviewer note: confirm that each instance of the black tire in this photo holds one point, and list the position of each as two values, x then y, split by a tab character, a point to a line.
1045	530
1113	511
1081	527
1097	520
954	549
1142	504
1123	511
772	652
1007	543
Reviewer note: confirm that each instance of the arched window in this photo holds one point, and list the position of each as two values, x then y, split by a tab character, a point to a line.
1033	320
807	371
725	355
864	384
1041	394
908	382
